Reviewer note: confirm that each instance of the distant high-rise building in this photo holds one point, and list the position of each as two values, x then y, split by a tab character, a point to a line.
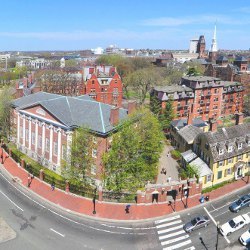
201	46
193	45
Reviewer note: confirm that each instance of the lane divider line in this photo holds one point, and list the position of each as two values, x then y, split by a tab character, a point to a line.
53	230
11	201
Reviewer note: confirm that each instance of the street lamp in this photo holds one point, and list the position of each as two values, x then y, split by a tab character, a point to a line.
2	151
94	198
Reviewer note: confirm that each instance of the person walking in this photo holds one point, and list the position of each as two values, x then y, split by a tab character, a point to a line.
52	186
29	180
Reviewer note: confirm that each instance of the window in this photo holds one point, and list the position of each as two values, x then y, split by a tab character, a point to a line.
40	141
221	151
229	171
209	178
93	81
230	160
64	152
230	148
240	145
55	148
47	144
207	145
94	153
219	175
215	90
93	169
33	138
115	91
26	134
221	163
239	157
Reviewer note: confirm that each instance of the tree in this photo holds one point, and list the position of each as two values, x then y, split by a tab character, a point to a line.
5	111
155	104
78	164
167	115
134	154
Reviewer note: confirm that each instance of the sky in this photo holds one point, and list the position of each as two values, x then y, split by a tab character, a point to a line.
28	25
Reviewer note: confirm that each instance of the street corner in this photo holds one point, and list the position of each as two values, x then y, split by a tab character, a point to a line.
6	232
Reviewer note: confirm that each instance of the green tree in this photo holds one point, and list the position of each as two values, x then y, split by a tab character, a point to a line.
5	111
167	115
134	154
155	105
77	167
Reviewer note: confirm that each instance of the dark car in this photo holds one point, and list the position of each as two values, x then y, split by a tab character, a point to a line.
195	223
243	201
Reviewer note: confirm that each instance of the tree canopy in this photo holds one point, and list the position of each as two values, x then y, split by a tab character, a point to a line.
134	154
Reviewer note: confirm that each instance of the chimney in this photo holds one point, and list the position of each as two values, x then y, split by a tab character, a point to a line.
114	116
238	118
190	116
131	107
213	125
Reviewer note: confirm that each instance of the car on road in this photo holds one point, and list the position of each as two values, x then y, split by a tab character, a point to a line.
245	238
243	201
195	223
235	224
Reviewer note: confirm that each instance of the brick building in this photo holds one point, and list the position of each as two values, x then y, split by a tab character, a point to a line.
44	123
202	96
103	84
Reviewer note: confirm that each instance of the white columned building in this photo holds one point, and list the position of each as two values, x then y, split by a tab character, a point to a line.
23	116
43	139
59	142
18	128
29	133
51	143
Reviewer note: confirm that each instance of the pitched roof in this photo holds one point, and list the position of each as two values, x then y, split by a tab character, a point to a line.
189	132
222	58
180	123
73	111
240	59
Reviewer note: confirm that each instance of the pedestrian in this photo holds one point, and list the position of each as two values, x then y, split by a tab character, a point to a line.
165	171
29	180
127	209
52	186
169	179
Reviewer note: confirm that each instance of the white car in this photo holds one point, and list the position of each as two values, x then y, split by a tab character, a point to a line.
235	224
245	238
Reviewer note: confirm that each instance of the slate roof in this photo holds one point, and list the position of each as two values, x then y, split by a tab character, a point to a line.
172	88
180	123
222	59
73	111
240	59
189	132
230	136
200	78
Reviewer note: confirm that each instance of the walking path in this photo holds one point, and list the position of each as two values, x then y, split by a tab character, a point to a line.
104	210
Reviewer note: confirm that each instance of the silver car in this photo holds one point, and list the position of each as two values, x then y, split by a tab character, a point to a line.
195	223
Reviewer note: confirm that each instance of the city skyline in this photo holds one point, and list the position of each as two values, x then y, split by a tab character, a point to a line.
75	25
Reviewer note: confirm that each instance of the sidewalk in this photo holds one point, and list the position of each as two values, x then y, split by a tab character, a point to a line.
107	210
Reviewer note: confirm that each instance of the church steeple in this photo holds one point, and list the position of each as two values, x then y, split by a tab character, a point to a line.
214	43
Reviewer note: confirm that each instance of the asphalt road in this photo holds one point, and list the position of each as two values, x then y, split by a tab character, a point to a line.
171	234
40	226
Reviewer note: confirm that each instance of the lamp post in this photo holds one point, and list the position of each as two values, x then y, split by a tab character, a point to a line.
2	151
94	198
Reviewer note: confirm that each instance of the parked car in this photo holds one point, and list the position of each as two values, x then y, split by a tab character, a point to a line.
245	238
243	201
195	223
235	224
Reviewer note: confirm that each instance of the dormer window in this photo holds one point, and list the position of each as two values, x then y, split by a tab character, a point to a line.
221	151
240	145
230	148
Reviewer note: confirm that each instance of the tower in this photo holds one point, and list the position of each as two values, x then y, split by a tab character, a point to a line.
213	50
201	46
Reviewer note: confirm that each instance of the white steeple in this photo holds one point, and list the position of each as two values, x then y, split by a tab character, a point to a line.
214	43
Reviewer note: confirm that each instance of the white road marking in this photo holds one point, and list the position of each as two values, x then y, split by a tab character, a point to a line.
167	219
178	245
171	235
128	228
221	214
216	209
64	217
11	201
169	224
53	230
213	206
174	240
190	248
211	217
170	229
228	241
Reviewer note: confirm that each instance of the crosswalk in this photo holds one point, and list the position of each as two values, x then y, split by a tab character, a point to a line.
171	234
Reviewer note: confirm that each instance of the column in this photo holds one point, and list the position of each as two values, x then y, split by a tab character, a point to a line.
18	128
36	136
23	116
51	143
69	142
43	138
29	133
59	142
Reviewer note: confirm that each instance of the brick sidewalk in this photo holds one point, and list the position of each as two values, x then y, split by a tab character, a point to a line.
107	210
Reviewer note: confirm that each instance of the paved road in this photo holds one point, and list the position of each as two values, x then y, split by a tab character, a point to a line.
40	226
172	236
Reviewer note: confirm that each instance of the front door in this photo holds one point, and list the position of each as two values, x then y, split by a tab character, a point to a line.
239	172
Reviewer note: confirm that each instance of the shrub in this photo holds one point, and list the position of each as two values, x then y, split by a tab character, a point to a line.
176	154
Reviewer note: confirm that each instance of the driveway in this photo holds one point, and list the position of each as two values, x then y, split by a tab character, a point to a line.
169	164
